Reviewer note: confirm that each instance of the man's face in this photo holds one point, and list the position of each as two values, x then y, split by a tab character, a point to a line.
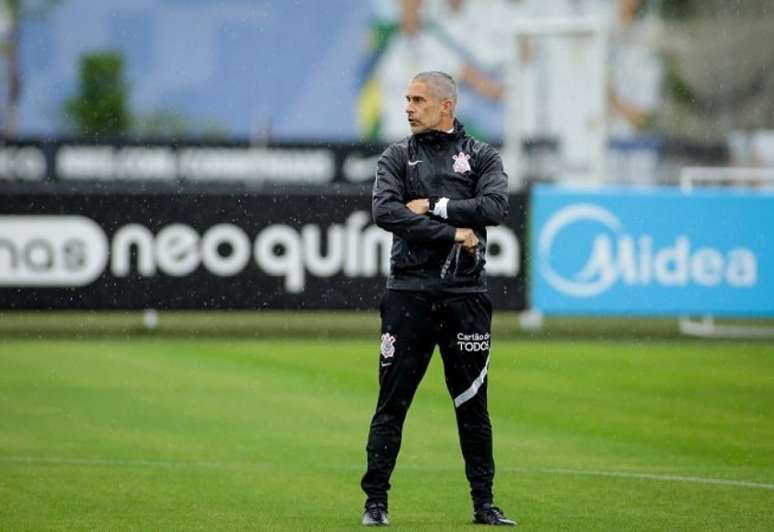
424	110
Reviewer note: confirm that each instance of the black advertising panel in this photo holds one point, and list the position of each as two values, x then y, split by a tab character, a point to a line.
188	249
188	162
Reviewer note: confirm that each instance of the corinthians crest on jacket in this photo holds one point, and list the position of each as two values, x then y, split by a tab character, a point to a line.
461	164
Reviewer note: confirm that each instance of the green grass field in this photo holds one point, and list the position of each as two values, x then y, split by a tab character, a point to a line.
218	434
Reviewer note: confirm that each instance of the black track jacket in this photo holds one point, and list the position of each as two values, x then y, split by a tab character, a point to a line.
432	164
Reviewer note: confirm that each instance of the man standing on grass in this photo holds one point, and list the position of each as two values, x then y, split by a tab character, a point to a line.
436	191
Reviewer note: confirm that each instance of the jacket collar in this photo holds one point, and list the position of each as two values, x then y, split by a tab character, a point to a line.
435	135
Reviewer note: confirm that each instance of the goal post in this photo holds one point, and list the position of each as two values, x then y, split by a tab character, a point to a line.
556	79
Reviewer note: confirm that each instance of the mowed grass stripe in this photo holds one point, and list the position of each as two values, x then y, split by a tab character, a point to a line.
289	421
264	466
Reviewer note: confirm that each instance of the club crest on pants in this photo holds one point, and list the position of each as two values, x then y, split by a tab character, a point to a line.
388	345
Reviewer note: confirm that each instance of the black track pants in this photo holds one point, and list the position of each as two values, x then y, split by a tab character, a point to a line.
413	323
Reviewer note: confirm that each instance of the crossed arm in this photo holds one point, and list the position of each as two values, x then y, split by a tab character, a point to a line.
463	235
489	206
410	221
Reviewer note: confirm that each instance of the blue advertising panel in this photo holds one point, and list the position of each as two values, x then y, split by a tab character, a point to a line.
652	252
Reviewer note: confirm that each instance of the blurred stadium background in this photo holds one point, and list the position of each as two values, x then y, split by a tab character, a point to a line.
189	274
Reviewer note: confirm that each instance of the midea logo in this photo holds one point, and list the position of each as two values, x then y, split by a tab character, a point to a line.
616	256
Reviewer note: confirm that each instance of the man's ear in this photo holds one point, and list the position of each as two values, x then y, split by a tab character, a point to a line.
447	106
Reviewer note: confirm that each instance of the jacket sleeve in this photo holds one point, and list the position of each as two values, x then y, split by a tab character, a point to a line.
389	203
489	206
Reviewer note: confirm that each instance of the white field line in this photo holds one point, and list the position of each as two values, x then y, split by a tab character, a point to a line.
33	460
666	478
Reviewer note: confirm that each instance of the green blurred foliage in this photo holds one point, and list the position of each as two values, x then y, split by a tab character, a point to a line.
99	107
20	8
160	124
677	8
679	89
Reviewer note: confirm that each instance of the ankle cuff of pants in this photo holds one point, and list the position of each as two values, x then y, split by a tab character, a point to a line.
370	501
477	505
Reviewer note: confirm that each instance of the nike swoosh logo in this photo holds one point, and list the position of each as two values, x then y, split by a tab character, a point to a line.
384	365
414	163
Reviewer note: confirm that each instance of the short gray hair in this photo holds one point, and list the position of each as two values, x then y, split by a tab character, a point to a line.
441	84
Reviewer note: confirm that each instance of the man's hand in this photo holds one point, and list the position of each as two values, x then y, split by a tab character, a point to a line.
419	206
467	238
